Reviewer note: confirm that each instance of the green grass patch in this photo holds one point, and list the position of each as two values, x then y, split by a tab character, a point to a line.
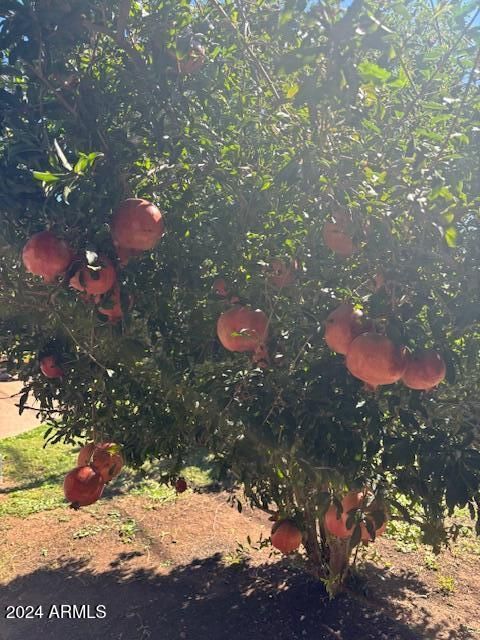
26	462
33	475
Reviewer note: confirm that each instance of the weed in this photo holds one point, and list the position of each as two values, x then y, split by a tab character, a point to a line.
446	585
127	531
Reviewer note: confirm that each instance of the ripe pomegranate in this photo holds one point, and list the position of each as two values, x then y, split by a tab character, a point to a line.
220	288
181	485
353	500
50	368
342	326
82	486
280	274
114	313
338	239
424	371
194	60
46	255
286	536
105	458
376	360
85	454
94	281
136	225
336	525
251	325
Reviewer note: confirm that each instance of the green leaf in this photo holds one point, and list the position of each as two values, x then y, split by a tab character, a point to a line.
46	176
371	72
451	237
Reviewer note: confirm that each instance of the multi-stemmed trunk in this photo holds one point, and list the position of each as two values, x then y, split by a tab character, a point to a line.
328	556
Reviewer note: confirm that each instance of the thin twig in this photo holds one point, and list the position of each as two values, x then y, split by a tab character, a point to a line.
248	49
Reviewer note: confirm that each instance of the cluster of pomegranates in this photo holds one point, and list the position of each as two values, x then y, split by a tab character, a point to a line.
137	225
358	506
374	358
97	465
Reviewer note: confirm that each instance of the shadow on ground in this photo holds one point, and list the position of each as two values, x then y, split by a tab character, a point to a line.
204	600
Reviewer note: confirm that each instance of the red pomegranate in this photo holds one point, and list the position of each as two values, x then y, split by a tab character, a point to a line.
85	454
342	326
220	288
104	457
424	371
337	526
181	485
376	360
338	239
50	368
286	536
95	280
137	225
46	255
194	60
114	312
242	328
281	274
82	486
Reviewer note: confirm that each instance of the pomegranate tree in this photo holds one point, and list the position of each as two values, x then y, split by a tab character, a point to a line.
301	140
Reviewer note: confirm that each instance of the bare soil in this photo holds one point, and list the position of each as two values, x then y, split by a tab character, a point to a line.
175	571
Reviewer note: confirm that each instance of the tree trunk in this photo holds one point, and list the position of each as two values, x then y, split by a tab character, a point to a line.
328	556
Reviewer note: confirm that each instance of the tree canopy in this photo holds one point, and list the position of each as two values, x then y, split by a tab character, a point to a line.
289	117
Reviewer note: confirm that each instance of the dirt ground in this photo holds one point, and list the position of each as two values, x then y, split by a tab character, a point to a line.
175	571
10	422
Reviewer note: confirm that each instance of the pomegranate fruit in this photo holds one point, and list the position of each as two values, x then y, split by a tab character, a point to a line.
50	368
94	281
181	485
338	240
114	312
337	526
376	360
82	486
46	255
137	225
280	274
220	288
105	458
194	60
342	326
85	454
286	536
424	371
242	328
